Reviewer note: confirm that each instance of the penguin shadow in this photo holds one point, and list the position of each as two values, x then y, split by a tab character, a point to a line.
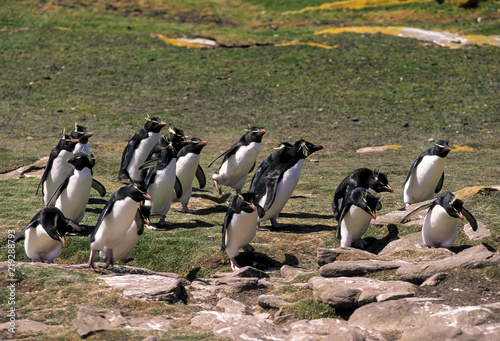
258	260
211	210
297	228
204	194
187	225
376	245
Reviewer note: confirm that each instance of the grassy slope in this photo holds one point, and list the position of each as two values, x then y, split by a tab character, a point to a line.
100	67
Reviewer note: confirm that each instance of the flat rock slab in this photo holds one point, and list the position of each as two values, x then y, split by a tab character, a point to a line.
326	256
353	292
238	327
148	287
90	320
397	316
484	332
480	233
412	247
471	258
330	329
359	267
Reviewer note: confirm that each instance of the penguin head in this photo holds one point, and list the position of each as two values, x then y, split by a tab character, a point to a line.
254	134
379	182
154	124
67	143
305	148
55	224
81	160
441	148
194	145
137	191
145	212
362	198
451	204
80	133
245	202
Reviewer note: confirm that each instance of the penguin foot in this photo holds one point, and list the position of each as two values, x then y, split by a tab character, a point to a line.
91	258
217	185
234	265
109	258
248	248
162	224
186	209
265	228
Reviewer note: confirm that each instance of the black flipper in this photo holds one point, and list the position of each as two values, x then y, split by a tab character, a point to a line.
260	211
415	164
98	187
200	176
470	218
149	163
178	188
271	186
345	209
32	223
423	207
233	148
439	184
227	221
53	199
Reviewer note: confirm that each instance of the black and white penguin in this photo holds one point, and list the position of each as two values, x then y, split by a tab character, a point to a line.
374	181
45	234
72	196
440	223
123	251
358	209
161	181
239	160
187	168
277	176
240	226
82	135
426	174
138	149
116	219
57	168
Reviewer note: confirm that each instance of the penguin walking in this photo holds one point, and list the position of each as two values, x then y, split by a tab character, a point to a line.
187	168
45	234
72	196
277	176
161	181
358	209
374	181
426	175
115	220
138	149
239	160
123	250
82	135
57	168
240	226
440	223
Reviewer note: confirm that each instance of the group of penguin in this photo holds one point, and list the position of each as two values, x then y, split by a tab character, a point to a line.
160	169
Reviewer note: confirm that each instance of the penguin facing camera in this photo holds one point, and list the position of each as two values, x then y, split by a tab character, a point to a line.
57	169
72	196
82	135
276	178
115	220
187	168
138	149
45	234
440	222
426	175
240	226
238	161
358	208
374	181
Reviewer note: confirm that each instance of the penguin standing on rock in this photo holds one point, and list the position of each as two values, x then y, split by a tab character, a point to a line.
57	169
374	181
115	220
239	226
45	234
138	149
82	135
358	209
440	223
239	160
277	176
426	174
187	168
72	196
123	250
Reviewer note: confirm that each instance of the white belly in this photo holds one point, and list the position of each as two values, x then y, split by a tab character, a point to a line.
185	171
162	190
58	173
73	200
422	182
234	171
355	223
240	232
123	249
141	153
39	246
439	228
82	148
283	192
115	225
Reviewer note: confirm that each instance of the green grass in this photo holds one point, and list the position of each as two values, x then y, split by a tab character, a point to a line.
64	63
